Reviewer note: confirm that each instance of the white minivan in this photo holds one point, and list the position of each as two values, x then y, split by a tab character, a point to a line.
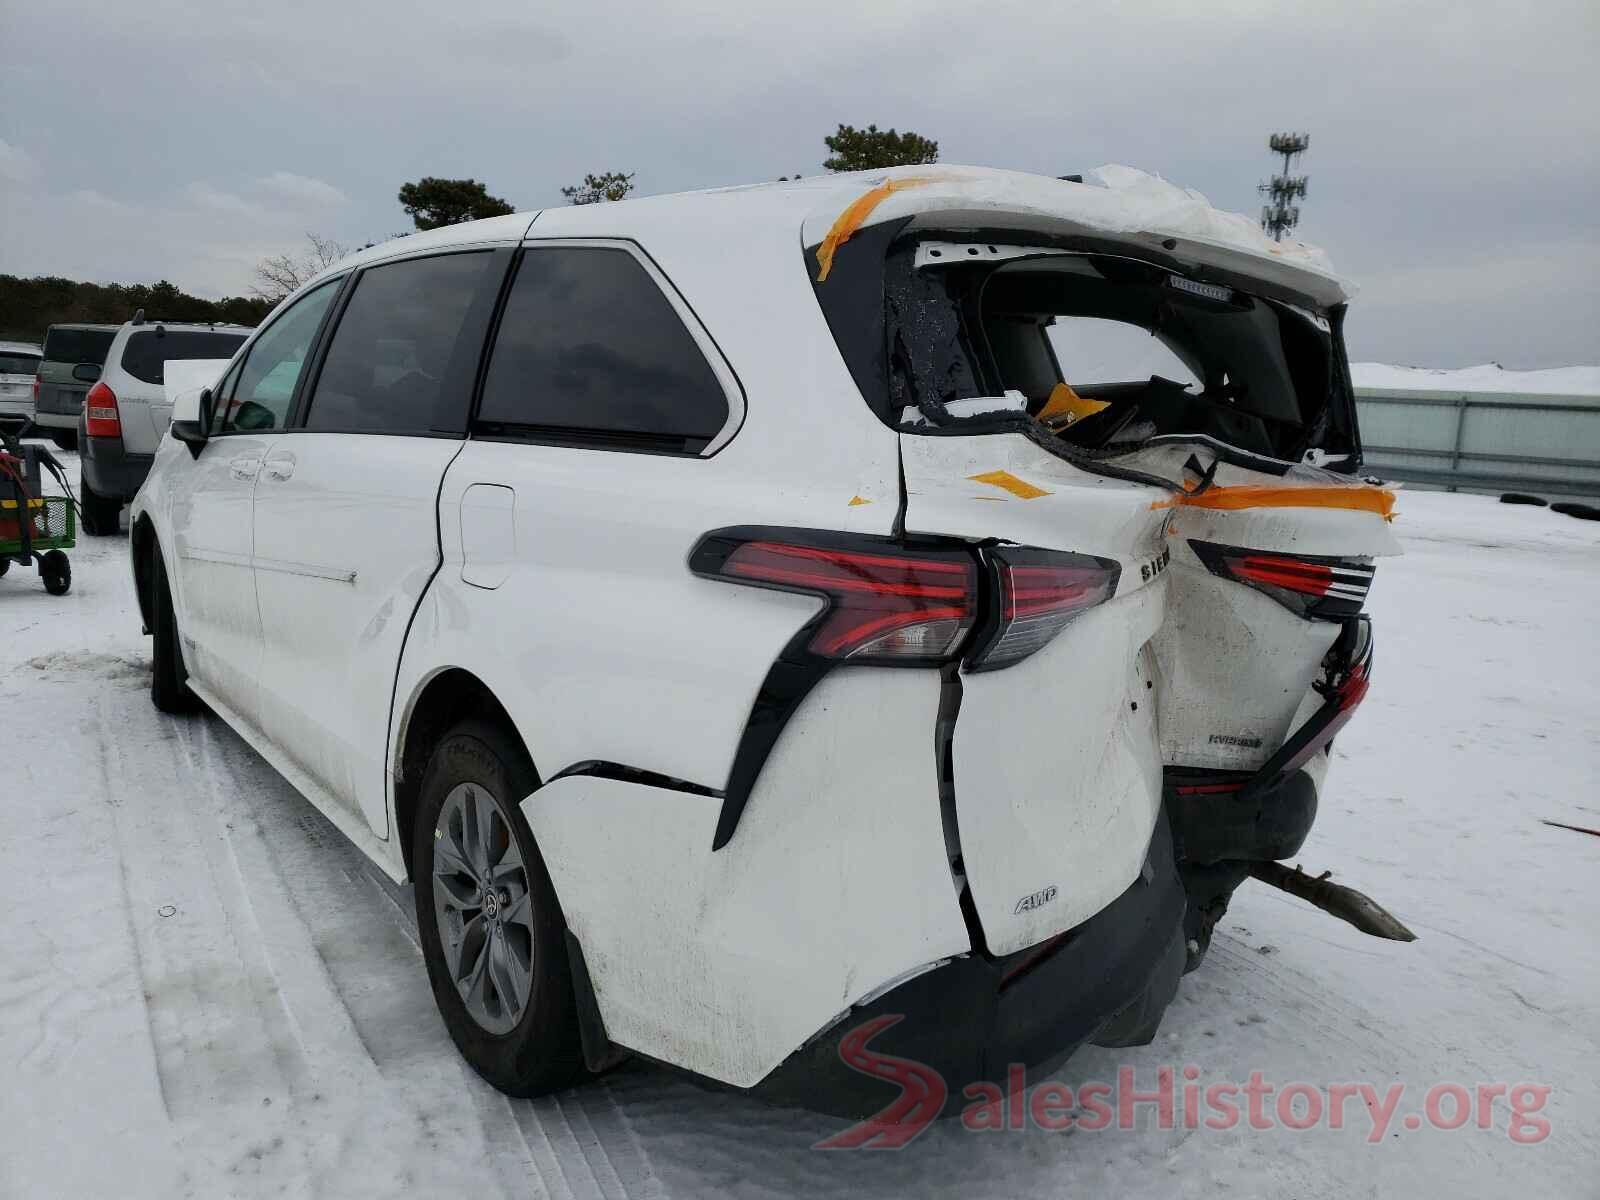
748	614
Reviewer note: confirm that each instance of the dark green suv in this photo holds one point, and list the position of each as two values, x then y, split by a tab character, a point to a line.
60	395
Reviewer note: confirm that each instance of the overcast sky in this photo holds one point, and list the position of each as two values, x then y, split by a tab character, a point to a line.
1454	164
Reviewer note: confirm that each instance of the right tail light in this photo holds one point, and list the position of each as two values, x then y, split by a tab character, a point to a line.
1317	587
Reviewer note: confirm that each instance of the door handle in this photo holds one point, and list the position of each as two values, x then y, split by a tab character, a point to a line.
244	467
280	466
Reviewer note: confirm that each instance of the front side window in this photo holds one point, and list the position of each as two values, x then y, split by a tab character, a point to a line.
407	338
590	350
147	352
264	390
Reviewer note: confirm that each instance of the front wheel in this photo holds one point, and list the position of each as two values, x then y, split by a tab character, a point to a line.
491	928
169	678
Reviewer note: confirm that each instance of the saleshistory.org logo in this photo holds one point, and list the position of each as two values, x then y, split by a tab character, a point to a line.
1053	1106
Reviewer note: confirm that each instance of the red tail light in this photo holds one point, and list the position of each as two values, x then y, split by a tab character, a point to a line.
1039	592
1328	589
100	411
36	393
885	604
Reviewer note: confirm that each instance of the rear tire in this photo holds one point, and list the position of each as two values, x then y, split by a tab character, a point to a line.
100	513
169	678
488	915
56	571
65	439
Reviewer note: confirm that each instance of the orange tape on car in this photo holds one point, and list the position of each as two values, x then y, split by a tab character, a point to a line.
854	216
1360	499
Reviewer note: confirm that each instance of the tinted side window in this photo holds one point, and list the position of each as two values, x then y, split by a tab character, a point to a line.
75	346
147	353
590	350
265	387
408	339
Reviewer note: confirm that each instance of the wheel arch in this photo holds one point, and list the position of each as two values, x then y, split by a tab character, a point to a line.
445	697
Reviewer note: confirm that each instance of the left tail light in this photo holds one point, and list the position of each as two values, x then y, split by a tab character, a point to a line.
897	602
1038	593
1321	588
886	603
100	412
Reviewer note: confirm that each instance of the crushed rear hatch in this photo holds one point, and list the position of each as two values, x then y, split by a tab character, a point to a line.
1176	407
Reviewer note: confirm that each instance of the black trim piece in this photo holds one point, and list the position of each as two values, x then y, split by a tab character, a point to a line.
615	440
1214	820
600	768
600	1053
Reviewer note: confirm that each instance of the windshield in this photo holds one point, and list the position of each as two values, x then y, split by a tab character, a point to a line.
147	352
13	363
74	346
1104	351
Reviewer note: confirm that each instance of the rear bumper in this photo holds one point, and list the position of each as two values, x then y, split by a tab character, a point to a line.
109	469
1108	980
58	408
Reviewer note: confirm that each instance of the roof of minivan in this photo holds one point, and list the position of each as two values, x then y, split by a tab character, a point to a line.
19	348
1115	202
81	325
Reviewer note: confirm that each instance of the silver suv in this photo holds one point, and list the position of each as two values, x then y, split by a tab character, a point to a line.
126	412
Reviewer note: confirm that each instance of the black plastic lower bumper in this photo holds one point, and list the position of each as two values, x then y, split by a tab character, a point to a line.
1110	979
1217	817
109	469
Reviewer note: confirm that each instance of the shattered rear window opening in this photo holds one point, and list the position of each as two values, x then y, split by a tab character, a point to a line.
1105	351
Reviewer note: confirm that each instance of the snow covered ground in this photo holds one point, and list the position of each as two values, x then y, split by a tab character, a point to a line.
205	992
1488	377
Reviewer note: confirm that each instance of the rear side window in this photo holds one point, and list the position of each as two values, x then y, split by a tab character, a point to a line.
74	346
405	350
591	351
18	364
149	351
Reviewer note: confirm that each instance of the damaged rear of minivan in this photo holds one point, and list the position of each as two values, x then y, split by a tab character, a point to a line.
1137	414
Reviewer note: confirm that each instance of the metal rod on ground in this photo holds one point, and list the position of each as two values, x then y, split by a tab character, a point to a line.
1360	910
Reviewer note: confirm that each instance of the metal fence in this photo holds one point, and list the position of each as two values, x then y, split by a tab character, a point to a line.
1483	441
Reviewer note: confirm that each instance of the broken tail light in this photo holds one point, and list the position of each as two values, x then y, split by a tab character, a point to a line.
1348	668
1037	593
1313	586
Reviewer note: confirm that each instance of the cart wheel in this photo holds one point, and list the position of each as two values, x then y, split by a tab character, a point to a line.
57	572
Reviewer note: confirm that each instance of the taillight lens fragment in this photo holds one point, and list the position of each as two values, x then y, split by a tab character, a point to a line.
886	604
1326	589
1038	593
100	412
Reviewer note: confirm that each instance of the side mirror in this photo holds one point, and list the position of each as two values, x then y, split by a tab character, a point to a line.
86	373
188	422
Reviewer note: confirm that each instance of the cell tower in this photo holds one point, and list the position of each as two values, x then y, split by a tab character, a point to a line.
1282	215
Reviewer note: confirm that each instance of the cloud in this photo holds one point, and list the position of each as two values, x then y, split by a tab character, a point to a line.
1455	147
301	189
17	166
